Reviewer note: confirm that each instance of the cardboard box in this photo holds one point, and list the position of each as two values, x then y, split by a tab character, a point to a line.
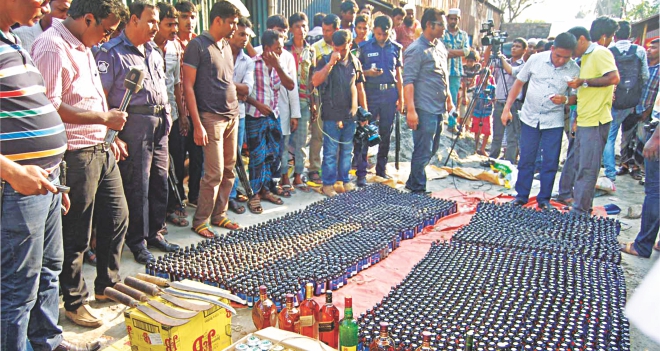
208	330
289	340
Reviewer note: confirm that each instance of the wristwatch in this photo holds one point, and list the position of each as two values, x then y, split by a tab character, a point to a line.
585	84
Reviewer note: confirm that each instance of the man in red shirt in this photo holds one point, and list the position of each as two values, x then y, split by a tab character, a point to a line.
410	29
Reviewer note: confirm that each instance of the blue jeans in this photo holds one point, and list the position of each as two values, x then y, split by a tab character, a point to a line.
241	136
337	156
454	87
426	141
648	231
32	256
618	116
533	139
382	104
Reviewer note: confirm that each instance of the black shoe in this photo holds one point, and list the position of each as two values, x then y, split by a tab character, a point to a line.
384	175
143	256
518	202
361	181
420	192
544	206
71	346
163	245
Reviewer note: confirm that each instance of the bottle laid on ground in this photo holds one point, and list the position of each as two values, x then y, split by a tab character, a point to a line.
329	322
264	312
309	314
348	328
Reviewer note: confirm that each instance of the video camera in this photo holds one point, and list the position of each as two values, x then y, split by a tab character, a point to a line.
494	38
368	133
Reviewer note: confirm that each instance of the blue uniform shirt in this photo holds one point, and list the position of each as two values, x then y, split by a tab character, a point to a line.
387	57
115	59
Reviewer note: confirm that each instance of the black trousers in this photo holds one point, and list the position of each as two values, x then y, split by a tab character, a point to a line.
179	146
97	195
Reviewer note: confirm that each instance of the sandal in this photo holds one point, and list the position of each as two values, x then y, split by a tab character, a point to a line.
636	174
227	224
289	188
240	197
254	205
302	187
204	230
315	177
279	191
178	218
628	248
272	198
235	207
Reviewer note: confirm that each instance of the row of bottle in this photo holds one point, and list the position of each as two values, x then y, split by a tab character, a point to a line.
503	225
326	243
528	299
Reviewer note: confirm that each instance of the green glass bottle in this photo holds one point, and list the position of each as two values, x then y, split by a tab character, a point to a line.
348	328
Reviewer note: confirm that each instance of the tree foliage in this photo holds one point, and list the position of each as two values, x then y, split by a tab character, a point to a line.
513	8
643	10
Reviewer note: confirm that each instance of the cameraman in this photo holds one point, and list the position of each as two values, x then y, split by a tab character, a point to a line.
426	89
384	91
338	76
504	82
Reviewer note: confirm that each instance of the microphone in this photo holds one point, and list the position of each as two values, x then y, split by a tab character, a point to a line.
133	84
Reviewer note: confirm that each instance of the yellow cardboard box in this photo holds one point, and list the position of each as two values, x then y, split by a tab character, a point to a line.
209	330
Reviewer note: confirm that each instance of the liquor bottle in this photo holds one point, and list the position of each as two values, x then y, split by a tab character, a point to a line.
309	314
348	328
426	342
382	342
289	318
329	322
264	313
469	340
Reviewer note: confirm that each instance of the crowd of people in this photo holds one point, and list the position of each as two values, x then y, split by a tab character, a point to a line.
297	99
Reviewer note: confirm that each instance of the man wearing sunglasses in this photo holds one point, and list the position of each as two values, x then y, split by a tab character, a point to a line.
63	55
426	93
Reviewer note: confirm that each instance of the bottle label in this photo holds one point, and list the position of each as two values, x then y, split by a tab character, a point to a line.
348	348
306	321
326	326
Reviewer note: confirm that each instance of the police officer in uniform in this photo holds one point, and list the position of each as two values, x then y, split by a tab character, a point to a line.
145	154
381	61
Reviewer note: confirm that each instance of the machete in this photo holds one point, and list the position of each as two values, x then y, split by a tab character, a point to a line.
161	318
154	290
202	298
190	286
170	311
193	306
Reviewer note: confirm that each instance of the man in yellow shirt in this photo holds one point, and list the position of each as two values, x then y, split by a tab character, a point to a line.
598	77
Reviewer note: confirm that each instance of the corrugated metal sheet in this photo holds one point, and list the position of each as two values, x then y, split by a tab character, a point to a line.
258	15
309	7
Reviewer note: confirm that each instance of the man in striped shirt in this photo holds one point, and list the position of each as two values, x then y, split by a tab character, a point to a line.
32	140
74	87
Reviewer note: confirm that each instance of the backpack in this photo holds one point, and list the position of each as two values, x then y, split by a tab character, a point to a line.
629	90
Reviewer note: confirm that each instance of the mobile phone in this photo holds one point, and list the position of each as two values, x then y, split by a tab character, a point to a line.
63	189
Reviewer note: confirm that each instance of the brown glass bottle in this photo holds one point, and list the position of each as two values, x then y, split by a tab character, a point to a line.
264	312
329	322
426	342
289	318
309	314
382	342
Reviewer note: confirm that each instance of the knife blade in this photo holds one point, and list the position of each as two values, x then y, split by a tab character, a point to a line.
170	311
185	286
197	306
161	318
202	298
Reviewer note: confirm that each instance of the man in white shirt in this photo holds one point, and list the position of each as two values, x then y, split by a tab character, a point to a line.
58	10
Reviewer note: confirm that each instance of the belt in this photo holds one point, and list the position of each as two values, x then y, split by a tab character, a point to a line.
102	147
377	86
150	110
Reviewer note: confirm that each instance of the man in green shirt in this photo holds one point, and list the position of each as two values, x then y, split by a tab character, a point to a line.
598	77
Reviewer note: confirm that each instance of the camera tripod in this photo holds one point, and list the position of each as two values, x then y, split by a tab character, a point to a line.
484	75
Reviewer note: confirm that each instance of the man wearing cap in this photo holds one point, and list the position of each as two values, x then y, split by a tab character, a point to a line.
458	45
410	29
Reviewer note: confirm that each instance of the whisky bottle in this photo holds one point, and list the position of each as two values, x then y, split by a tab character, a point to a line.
329	322
264	313
382	342
426	342
309	314
289	318
348	328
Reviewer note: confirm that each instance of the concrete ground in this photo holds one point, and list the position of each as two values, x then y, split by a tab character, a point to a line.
629	193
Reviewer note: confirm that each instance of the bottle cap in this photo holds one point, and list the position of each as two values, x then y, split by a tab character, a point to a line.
348	302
